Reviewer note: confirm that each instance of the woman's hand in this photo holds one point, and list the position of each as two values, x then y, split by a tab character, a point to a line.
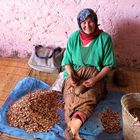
90	82
74	79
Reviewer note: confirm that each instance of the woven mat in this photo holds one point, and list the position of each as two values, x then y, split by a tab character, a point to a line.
13	70
134	82
4	136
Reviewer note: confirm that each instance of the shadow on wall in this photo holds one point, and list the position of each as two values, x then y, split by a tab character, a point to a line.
127	43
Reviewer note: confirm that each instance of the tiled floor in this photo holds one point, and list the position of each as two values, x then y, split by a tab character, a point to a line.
13	70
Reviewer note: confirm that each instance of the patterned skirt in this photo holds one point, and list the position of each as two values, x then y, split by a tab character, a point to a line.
82	99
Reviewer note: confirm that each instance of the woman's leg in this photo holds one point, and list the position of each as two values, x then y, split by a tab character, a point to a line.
75	125
83	103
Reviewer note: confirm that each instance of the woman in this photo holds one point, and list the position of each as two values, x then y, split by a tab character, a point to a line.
88	58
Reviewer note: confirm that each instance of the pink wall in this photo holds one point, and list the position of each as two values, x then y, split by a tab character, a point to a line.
27	22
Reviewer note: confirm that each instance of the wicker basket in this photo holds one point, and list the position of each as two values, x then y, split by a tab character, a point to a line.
130	131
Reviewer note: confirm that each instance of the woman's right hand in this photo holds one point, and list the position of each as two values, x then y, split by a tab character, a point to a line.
74	79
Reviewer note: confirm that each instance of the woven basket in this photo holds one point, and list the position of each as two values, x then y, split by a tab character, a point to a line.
130	131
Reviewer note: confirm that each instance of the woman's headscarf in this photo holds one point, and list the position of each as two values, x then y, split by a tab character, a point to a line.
87	13
86	38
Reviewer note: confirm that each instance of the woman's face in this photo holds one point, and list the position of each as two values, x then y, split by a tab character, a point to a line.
88	26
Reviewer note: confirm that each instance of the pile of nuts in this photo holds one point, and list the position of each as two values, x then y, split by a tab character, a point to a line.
36	112
110	121
135	113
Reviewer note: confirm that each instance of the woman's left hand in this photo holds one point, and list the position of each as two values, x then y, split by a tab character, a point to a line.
90	82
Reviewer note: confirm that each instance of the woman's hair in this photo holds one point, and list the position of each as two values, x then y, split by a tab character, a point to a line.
83	14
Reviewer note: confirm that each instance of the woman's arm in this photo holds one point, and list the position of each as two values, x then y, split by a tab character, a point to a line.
74	78
92	81
102	73
69	69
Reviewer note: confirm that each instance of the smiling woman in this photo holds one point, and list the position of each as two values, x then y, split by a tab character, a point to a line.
88	58
88	26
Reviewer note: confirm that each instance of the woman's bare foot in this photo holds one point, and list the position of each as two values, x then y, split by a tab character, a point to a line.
77	137
69	134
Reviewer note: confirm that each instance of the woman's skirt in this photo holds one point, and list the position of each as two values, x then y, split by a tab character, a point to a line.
79	98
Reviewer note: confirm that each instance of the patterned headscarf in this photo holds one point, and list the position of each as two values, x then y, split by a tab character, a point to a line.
86	13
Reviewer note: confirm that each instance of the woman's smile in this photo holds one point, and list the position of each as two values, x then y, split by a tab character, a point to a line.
88	26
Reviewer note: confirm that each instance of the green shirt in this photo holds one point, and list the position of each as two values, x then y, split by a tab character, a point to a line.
99	53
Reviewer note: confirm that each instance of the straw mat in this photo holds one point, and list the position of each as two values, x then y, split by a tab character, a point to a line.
13	70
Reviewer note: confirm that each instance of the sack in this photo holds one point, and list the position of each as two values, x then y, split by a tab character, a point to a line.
46	59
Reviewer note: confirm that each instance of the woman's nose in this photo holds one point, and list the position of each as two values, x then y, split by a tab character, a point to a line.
87	24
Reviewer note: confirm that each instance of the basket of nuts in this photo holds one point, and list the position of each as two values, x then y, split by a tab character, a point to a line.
131	116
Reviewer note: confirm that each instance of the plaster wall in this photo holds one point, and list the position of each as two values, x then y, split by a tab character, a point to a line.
24	23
